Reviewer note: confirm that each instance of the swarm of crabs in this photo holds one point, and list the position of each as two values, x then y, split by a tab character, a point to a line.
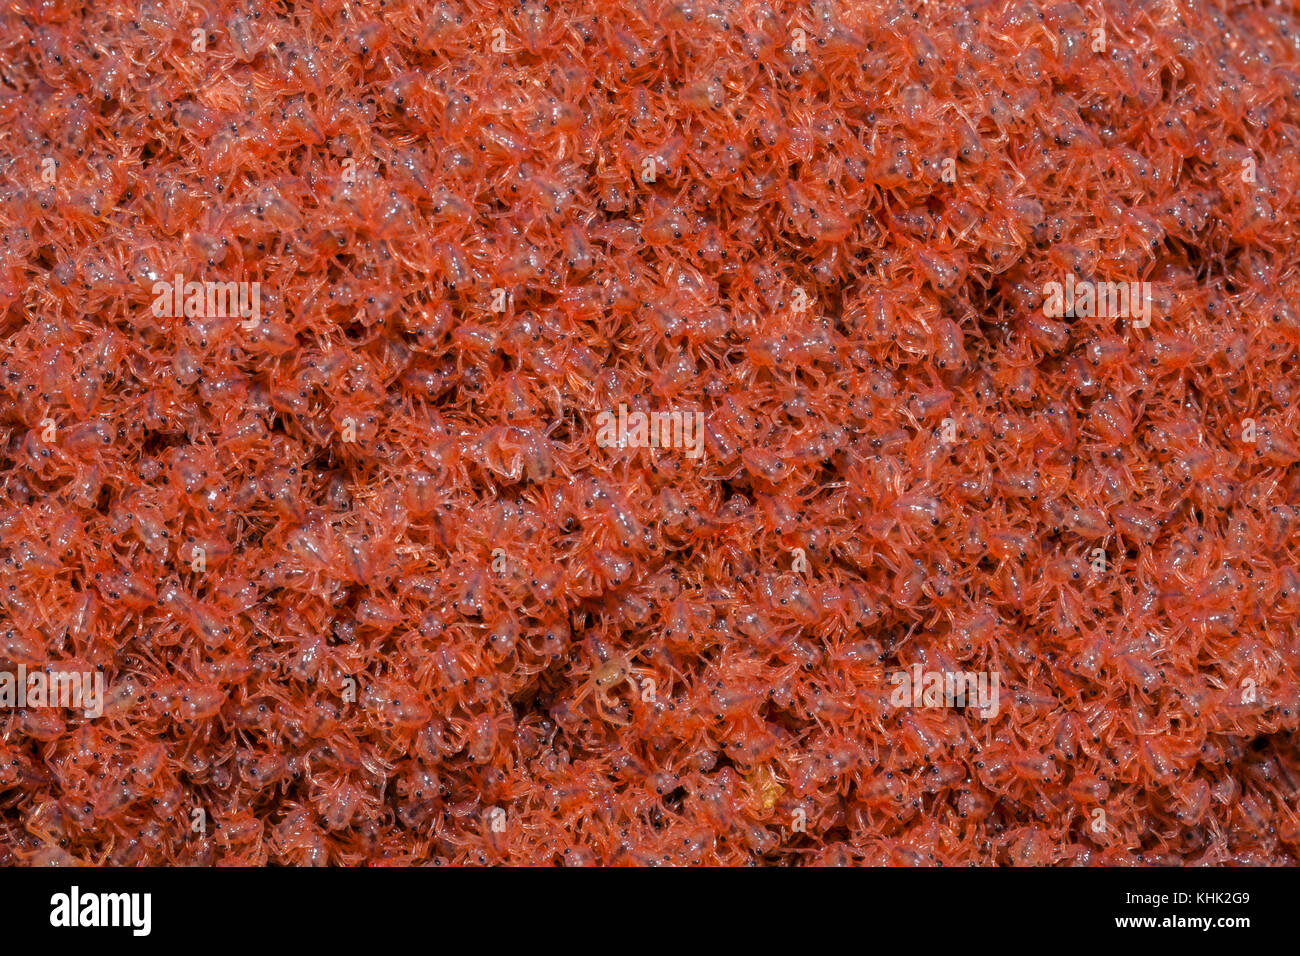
363	587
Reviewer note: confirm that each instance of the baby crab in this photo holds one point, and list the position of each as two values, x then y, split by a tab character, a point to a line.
614	670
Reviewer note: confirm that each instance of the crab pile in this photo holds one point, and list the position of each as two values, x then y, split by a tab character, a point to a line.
469	432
